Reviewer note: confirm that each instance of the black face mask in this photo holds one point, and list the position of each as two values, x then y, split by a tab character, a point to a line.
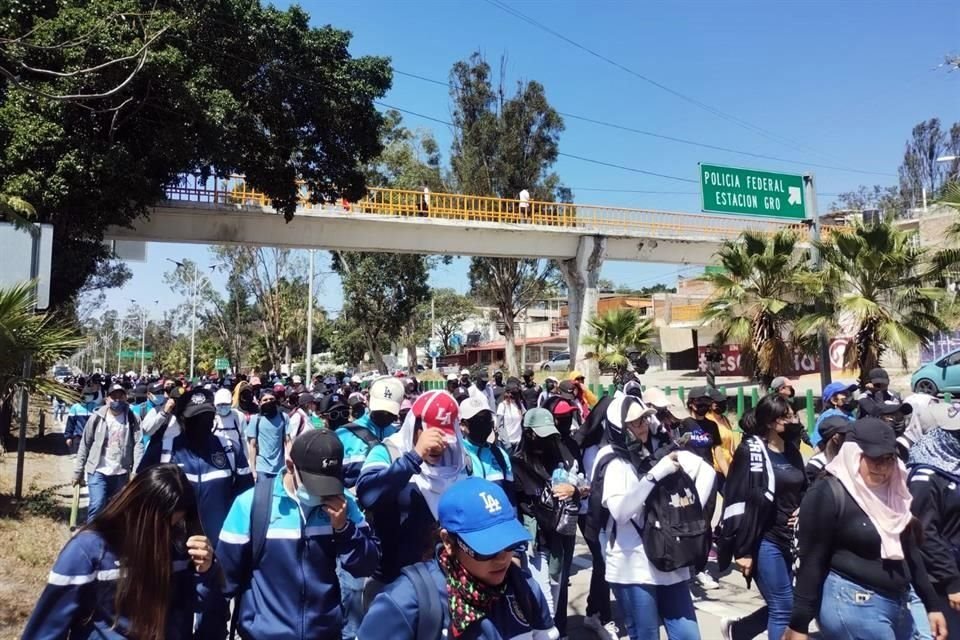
357	410
382	419
564	423
479	428
481	384
338	417
701	409
199	426
899	426
269	409
792	431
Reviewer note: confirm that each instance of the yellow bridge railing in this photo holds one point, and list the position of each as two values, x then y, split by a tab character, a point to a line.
460	207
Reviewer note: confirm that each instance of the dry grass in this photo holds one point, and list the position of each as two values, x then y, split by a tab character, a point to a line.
33	531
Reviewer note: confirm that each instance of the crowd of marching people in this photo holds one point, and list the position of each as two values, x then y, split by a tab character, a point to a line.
263	507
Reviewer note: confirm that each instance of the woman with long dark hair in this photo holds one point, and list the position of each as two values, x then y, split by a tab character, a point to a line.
762	494
129	573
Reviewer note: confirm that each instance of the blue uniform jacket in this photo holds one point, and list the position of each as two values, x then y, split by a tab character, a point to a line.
293	592
78	601
393	614
76	420
399	514
217	471
355	450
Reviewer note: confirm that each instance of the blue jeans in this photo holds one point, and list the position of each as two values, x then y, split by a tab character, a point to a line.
921	625
851	612
351	601
100	489
646	606
773	576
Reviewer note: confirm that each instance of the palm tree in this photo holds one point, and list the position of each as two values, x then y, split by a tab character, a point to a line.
618	333
756	299
41	336
875	280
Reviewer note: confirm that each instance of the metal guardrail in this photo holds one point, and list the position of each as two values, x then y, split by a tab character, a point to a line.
234	192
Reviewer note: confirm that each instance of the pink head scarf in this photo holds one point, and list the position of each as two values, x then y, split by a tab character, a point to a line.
888	507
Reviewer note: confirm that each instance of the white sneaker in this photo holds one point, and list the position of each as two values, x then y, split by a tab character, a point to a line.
706	581
608	631
726	627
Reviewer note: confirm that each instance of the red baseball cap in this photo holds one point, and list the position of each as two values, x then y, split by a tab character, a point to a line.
438	410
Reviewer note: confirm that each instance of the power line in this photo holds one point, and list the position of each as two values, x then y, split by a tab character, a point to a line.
661	136
702	105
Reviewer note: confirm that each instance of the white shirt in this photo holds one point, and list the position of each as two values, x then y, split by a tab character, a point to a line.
625	495
111	461
510	420
524	199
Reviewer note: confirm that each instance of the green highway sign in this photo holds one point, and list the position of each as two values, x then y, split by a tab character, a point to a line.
221	363
136	354
750	192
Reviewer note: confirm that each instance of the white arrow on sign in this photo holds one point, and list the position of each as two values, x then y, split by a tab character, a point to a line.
793	195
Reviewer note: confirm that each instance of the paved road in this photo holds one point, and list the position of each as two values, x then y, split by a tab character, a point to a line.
731	599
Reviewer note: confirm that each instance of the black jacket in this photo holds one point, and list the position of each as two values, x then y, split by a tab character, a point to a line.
936	504
749	500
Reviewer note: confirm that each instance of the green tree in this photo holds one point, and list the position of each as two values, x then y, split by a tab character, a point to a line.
450	311
888	200
920	169
381	291
501	146
103	104
616	334
874	276
757	298
24	333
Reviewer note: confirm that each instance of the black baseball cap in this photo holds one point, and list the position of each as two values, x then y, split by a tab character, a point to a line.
528	373
195	402
874	436
716	395
697	393
481	375
318	457
332	401
833	425
878	375
567	390
306	398
156	389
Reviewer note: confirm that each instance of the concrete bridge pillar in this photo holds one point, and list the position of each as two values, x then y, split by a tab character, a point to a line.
582	274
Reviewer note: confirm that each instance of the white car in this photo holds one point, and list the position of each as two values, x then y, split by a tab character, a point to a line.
559	362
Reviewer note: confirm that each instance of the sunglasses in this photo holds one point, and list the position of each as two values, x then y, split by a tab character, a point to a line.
480	557
339	414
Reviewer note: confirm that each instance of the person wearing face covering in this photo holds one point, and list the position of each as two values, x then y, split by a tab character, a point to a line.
361	435
285	583
510	414
836	401
108	450
266	434
333	410
481	387
471	589
217	469
542	502
855	576
638	458
549	389
934	476
403	478
484	460
762	494
78	415
228	422
244	399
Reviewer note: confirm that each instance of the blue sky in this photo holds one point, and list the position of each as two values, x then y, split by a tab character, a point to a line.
832	83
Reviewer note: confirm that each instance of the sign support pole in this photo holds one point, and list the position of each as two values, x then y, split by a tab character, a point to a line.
813	219
34	231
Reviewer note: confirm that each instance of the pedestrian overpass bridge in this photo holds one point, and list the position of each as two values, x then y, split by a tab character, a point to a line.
397	220
578	236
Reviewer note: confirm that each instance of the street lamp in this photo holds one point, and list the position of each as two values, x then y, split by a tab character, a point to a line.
193	317
143	335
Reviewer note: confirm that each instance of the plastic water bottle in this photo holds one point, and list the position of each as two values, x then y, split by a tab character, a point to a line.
559	475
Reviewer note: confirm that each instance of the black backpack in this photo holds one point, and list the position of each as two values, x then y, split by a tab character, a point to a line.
676	533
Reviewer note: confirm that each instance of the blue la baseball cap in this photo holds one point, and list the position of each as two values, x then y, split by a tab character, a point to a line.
479	513
834	388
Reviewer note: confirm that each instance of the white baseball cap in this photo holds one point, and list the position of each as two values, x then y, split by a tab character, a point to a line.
472	406
386	394
222	396
452	377
465	372
655	397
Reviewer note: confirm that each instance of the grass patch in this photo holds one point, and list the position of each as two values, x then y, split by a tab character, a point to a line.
33	531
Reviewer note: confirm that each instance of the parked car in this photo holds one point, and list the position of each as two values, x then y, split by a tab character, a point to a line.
559	362
939	376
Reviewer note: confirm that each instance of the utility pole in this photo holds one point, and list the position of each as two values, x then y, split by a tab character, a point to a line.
34	231
823	343
308	378
193	321
119	343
